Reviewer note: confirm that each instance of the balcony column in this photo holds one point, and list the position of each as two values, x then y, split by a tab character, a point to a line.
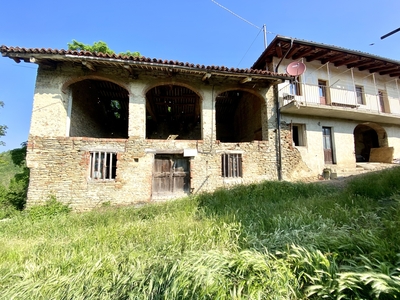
354	87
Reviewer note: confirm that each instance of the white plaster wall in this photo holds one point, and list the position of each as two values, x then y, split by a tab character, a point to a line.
342	138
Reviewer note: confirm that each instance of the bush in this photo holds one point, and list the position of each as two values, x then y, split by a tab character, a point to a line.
51	208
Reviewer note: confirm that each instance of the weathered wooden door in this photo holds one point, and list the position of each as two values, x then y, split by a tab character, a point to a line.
171	176
323	95
327	142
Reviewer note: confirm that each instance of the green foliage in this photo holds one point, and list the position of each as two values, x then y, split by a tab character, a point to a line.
275	240
49	209
13	197
129	53
98	47
3	128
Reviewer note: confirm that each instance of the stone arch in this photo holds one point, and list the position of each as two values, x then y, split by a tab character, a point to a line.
173	111
239	116
100	108
366	137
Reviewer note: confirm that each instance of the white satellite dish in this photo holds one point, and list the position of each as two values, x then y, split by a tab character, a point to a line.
296	68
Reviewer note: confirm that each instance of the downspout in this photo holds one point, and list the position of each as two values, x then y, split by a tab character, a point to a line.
278	119
278	134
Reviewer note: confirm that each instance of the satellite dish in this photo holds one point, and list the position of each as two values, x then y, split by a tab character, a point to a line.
295	68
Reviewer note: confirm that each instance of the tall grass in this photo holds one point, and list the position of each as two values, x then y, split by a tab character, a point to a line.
275	240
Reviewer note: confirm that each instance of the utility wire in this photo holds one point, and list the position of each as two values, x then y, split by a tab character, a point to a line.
249	47
236	15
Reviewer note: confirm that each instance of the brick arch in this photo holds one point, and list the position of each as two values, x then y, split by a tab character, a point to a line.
98	108
73	80
173	111
367	136
239	115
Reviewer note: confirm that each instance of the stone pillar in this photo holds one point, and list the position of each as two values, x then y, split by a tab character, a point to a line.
137	110
208	124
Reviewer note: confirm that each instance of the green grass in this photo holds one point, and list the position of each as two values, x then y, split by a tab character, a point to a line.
274	240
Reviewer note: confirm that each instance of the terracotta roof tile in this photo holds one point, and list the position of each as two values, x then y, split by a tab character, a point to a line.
23	51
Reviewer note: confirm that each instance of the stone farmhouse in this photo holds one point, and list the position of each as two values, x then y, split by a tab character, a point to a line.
124	130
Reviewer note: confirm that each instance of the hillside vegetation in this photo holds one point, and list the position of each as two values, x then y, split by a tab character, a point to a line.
8	168
275	240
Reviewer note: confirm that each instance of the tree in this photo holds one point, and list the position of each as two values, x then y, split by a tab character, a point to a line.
3	128
99	47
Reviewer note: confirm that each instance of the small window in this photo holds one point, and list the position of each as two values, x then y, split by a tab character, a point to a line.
299	134
360	94
231	165
103	165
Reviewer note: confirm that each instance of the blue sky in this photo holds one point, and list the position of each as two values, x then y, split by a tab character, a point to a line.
195	31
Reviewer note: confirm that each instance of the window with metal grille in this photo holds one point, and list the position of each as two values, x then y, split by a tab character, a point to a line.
231	165
103	165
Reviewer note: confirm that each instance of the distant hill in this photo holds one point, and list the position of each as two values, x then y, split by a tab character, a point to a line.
10	165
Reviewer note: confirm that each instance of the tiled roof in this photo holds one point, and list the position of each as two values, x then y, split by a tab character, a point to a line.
16	52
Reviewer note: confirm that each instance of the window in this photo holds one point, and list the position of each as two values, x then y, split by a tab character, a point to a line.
231	165
103	165
360	94
295	87
299	134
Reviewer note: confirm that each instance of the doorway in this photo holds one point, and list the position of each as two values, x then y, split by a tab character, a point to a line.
171	176
328	146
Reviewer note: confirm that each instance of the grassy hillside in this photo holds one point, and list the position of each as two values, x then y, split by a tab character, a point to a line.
275	240
8	166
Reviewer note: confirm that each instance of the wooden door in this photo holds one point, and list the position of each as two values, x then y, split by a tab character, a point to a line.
327	143
171	176
322	91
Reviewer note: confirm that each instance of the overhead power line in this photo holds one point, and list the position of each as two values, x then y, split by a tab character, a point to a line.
236	15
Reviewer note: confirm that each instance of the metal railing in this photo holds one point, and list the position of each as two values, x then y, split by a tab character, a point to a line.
308	94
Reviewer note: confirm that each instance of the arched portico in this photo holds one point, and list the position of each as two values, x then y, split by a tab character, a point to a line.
173	112
238	116
366	137
98	108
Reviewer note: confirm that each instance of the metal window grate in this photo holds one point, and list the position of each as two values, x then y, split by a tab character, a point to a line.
103	165
231	165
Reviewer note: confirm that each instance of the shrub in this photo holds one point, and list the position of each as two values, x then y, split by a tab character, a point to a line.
51	208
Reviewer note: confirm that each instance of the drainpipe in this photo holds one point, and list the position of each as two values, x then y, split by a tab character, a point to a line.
278	134
278	119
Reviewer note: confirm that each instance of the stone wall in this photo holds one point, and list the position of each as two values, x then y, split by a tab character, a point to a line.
60	167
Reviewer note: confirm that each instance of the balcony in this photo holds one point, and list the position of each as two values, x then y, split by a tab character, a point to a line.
357	104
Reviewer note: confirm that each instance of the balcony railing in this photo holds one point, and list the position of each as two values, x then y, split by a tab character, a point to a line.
321	95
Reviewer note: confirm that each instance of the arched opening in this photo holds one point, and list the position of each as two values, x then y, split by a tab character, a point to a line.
366	137
238	117
99	109
172	112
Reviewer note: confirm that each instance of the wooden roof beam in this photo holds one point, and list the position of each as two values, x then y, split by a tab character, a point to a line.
293	51
370	66
389	70
346	62
334	58
206	76
304	53
89	65
395	74
278	49
318	55
244	80
361	63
